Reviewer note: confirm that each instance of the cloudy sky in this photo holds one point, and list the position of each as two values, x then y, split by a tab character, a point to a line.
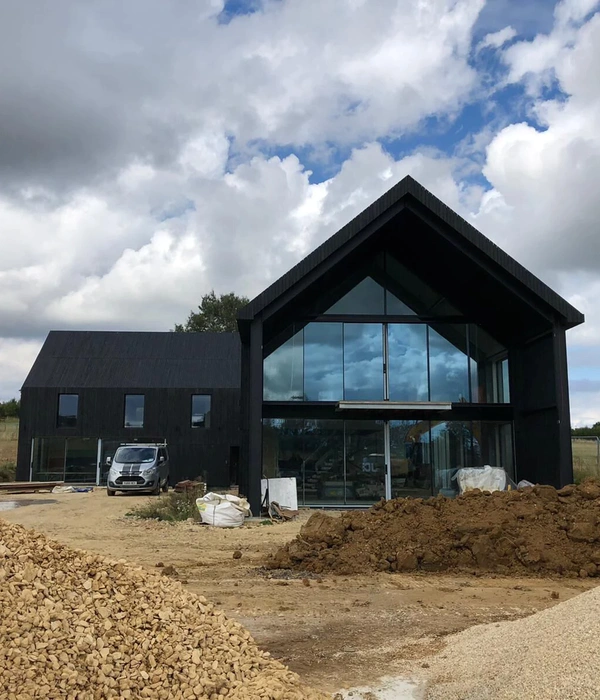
151	151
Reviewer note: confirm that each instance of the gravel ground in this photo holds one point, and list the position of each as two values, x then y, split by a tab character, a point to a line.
78	626
552	655
338	631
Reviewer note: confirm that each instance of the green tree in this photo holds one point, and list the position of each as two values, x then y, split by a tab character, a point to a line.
215	313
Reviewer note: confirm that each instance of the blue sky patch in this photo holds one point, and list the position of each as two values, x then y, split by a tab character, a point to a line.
235	8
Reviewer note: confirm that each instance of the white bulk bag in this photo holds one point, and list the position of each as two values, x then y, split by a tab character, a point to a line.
484	478
222	510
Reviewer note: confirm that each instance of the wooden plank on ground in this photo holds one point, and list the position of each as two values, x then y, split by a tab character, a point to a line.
28	486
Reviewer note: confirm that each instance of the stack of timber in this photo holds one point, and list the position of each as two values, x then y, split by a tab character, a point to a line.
12	487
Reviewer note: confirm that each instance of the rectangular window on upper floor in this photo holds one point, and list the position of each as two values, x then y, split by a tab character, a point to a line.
201	404
68	411
134	411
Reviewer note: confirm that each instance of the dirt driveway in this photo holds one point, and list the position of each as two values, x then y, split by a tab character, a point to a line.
336	631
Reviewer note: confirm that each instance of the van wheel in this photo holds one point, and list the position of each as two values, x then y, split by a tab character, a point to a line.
156	490
165	486
110	492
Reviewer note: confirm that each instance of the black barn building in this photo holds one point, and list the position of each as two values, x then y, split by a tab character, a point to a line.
88	392
406	346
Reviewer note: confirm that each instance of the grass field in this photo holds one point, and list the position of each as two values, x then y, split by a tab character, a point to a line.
585	462
585	459
9	434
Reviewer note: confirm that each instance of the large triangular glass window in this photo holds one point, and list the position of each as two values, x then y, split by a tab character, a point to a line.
370	298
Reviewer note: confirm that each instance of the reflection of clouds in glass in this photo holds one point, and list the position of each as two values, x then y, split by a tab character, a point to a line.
363	361
283	372
449	380
323	371
346	361
407	347
448	367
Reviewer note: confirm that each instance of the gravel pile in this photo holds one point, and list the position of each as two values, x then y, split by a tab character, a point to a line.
552	655
77	626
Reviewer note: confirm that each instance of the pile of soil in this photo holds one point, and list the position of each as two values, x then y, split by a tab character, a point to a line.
538	531
77	626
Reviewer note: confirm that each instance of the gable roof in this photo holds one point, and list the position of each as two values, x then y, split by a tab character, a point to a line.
137	360
404	194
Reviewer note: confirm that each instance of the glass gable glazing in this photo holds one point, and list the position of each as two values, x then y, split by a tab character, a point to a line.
366	298
416	359
381	361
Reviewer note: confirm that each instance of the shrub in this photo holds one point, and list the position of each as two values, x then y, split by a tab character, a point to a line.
171	507
8	471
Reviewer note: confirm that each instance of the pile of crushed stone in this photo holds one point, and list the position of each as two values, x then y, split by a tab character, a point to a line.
78	626
537	531
552	655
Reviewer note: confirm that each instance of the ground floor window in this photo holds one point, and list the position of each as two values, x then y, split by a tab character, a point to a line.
72	460
355	462
76	460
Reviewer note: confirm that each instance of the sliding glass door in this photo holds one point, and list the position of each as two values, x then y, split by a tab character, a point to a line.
357	462
410	467
365	461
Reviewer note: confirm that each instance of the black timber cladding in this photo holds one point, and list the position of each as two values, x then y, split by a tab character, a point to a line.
408	193
168	368
104	359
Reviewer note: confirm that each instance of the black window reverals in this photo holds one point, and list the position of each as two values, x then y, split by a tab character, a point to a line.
201	410
68	410
134	411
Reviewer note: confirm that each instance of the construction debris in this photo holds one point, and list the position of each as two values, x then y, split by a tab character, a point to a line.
281	514
536	530
77	626
72	489
197	487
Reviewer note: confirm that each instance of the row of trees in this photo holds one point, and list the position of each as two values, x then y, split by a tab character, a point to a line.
9	409
594	430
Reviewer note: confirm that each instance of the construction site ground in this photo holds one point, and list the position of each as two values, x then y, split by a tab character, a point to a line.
335	631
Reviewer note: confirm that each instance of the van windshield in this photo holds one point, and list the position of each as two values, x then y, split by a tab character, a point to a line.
135	455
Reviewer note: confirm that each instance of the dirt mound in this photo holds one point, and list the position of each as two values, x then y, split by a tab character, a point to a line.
78	626
535	531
